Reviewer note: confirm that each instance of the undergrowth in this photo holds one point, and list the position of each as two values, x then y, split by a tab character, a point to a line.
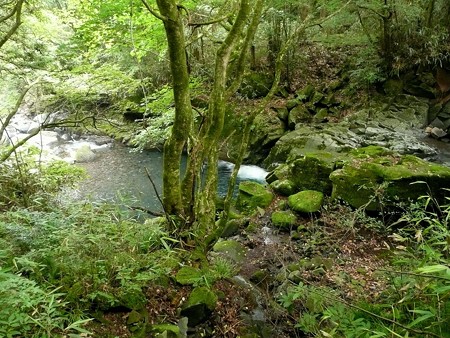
415	299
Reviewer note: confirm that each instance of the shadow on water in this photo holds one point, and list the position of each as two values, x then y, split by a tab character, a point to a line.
119	175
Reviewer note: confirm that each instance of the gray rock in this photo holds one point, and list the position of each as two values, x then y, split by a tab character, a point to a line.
438	133
437	123
84	154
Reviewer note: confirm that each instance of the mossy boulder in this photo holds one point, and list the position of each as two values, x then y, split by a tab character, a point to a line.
200	304
284	187
305	171
231	250
311	171
232	226
252	195
298	114
283	219
84	154
306	201
374	182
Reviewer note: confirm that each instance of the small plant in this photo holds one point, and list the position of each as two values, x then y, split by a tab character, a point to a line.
27	310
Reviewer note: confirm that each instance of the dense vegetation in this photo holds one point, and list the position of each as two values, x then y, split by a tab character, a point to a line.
189	77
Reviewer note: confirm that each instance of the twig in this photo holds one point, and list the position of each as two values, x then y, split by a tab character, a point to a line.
150	212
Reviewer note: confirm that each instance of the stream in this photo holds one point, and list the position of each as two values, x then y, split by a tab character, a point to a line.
120	174
115	172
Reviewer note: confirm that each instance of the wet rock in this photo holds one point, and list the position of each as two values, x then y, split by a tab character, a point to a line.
100	140
437	123
307	201
84	154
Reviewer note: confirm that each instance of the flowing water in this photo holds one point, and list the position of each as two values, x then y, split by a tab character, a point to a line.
115	172
119	173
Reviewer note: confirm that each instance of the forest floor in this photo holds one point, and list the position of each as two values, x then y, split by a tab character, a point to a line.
340	250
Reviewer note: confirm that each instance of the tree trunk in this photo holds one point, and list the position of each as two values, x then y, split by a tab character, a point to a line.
182	125
429	13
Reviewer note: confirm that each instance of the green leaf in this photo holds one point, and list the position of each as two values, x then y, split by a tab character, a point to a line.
432	268
425	315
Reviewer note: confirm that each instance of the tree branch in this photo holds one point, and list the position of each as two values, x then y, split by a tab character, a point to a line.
251	31
210	22
18	11
15	109
9	15
154	13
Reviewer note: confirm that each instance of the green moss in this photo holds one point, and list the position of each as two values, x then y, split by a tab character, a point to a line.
371	182
312	171
188	275
202	295
201	302
370	152
283	219
253	195
283	187
230	249
306	201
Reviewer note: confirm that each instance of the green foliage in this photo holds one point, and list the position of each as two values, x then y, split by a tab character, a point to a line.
28	310
28	183
94	254
219	268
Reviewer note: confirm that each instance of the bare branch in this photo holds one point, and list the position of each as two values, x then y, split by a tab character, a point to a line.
210	22
154	13
9	15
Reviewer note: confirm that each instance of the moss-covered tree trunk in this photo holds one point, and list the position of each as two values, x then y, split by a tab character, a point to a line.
194	199
182	125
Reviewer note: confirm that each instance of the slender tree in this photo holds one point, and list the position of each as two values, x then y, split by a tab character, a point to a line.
192	198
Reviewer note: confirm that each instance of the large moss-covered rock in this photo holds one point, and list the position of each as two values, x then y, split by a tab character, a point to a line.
201	302
312	170
305	171
306	201
283	219
267	130
384	180
252	195
298	114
